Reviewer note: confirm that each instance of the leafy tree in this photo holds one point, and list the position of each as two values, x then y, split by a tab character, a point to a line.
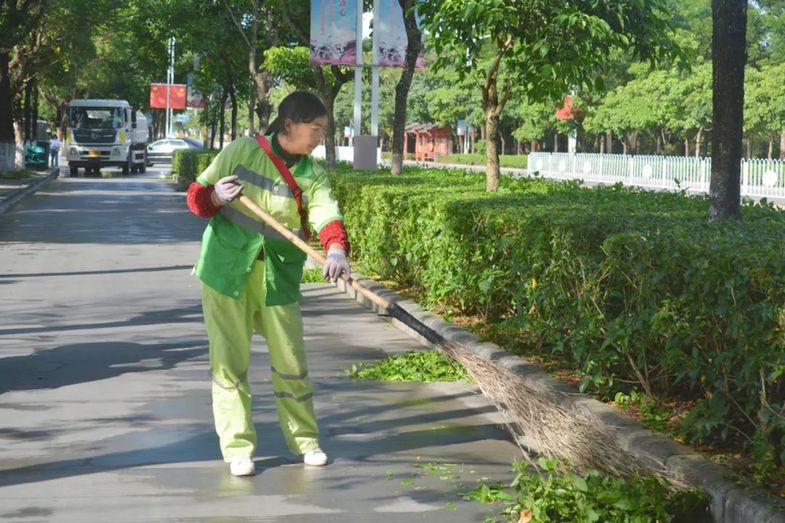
17	19
541	49
535	121
695	98
292	65
764	105
250	17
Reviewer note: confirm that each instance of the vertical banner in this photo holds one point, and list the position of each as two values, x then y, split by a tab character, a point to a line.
391	51
333	32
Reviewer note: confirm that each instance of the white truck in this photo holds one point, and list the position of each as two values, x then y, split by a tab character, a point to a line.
103	133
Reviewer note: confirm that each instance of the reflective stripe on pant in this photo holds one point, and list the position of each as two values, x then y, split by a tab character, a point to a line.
230	325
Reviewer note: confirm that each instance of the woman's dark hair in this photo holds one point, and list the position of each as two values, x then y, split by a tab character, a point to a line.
299	107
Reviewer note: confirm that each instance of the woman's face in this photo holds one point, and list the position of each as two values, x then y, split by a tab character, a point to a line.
303	137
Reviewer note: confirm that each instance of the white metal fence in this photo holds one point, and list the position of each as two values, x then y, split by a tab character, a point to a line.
760	178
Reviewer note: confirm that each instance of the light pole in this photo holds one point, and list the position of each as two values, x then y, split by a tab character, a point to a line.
169	82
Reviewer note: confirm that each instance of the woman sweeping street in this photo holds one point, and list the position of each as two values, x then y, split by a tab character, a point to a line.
251	275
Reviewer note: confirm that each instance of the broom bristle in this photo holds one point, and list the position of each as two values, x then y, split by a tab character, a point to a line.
550	430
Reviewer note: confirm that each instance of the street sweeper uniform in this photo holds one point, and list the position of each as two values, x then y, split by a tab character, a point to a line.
251	281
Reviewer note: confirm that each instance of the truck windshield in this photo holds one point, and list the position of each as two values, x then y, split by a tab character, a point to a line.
95	117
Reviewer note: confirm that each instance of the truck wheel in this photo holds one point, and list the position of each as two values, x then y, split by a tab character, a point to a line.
127	167
143	168
74	171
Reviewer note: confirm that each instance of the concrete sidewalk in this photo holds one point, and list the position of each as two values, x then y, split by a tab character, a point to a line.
105	404
12	191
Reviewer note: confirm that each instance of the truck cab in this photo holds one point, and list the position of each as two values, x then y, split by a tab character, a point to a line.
105	133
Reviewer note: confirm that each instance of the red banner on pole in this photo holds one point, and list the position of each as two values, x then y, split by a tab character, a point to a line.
177	95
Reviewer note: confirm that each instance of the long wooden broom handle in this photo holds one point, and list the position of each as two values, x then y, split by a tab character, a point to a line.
307	249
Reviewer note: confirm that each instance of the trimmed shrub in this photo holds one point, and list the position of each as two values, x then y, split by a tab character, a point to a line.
622	283
187	164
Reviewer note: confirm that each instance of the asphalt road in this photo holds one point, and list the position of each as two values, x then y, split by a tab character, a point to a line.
105	388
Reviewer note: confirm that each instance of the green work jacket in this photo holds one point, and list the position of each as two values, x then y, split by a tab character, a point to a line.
234	237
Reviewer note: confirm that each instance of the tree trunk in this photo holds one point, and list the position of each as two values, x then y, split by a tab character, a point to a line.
329	137
213	124
230	87
782	145
222	116
493	103
632	142
556	142
264	108
491	153
413	47
7	148
233	98
601	142
252	95
27	111
329	93
504	144
729	56
686	146
698	138
771	147
609	140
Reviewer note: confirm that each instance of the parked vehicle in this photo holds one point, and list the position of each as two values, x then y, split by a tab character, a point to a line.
161	151
105	133
36	154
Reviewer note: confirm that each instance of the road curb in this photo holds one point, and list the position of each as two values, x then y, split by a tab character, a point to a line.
30	188
729	502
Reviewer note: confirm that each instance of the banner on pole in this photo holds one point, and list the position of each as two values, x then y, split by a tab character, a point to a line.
177	95
333	32
392	36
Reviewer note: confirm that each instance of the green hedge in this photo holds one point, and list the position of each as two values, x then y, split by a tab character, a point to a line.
187	164
624	284
518	161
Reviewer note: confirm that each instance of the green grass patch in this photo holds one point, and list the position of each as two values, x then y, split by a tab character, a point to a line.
424	366
312	276
18	174
548	494
519	161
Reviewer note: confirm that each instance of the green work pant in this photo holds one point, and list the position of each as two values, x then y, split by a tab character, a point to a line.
230	325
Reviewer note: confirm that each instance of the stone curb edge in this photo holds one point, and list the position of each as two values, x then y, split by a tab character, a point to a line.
7	203
729	502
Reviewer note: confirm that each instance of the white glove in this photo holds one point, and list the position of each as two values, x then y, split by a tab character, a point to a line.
336	264
226	190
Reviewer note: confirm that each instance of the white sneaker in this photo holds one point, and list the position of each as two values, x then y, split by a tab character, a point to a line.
315	458
242	467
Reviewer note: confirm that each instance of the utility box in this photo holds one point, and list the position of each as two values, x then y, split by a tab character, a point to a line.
365	150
